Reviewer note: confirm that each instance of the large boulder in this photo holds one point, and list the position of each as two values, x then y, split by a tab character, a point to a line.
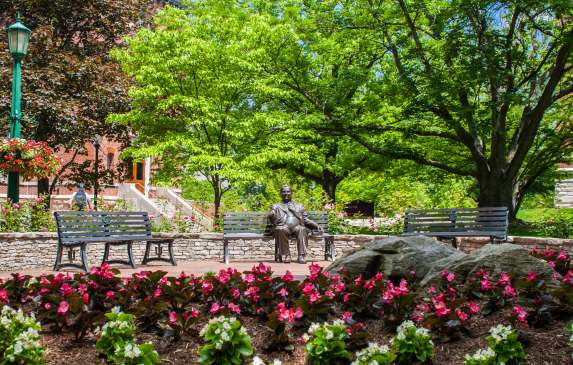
396	256
493	258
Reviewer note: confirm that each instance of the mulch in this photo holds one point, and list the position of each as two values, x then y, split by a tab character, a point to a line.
548	346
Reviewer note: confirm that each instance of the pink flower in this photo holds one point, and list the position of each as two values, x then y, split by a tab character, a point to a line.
369	285
63	308
520	313
287	277
249	278
485	284
403	288
308	288
474	308
461	315
193	313
509	291
504	279
346	297
44	281
66	290
172	317
215	307
235	293
551	264
378	277
346	316
207	287
562	256
283	292
288	315
340	287
223	277
234	308
47	306
109	295
262	268
86	298
157	293
440	308
531	276
252	293
4	296
358	280
432	290
314	297
449	276
329	294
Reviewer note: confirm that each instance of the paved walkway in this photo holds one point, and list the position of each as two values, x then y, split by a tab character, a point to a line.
198	268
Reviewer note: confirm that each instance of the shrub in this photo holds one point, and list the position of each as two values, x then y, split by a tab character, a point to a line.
481	357
19	338
412	344
569	329
504	341
226	342
117	343
327	345
27	216
374	354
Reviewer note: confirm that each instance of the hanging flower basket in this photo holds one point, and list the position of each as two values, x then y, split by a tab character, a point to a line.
32	159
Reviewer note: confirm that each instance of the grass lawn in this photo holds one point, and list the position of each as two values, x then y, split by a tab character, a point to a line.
543	222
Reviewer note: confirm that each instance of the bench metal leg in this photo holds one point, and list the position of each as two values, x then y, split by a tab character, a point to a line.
84	256
226	251
159	251
129	261
329	251
130	255
58	262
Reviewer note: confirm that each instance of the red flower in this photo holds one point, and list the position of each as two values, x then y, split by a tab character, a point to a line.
4	296
449	276
207	287
520	313
509	291
47	306
234	308
531	276
283	292
474	308
63	308
504	279
86	298
288	315
66	289
440	308
346	316
461	315
252	293
215	307
109	295
287	277
172	317
235	293
485	284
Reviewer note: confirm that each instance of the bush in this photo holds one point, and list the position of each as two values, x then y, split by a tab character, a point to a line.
504	341
374	354
569	329
27	216
412	344
118	345
226	342
19	338
481	357
326	344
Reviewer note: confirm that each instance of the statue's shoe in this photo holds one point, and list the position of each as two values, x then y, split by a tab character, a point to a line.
301	260
286	260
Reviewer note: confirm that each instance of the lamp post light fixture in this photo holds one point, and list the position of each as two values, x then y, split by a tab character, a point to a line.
97	144
18	38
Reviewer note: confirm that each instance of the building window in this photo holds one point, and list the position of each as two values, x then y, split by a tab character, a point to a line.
139	171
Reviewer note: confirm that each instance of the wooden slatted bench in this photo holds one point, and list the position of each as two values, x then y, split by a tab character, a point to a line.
458	222
256	225
79	228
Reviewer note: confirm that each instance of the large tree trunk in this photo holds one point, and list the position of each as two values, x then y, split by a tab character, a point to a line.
498	192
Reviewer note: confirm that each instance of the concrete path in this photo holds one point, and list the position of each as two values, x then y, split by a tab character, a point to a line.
198	268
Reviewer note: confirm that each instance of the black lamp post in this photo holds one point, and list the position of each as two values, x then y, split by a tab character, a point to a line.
97	142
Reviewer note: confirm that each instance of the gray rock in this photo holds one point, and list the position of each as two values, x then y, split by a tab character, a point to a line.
396	256
494	258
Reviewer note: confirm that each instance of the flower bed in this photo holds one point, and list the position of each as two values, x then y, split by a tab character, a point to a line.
291	320
31	159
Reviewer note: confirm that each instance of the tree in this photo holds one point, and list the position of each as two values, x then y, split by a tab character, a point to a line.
479	88
312	77
69	82
193	104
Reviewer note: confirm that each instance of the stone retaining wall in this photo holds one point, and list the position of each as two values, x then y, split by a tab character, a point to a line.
19	251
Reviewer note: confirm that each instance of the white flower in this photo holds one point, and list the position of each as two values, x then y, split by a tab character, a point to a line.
276	362
481	355
131	351
116	310
257	361
500	332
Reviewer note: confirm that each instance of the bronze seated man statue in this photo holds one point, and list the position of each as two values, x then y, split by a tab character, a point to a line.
290	219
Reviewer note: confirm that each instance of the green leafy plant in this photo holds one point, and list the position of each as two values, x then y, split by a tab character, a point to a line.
481	357
504	341
326	344
374	354
118	345
412	344
19	338
569	329
226	342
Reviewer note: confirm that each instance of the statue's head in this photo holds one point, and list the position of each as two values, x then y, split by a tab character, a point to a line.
286	193
81	186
